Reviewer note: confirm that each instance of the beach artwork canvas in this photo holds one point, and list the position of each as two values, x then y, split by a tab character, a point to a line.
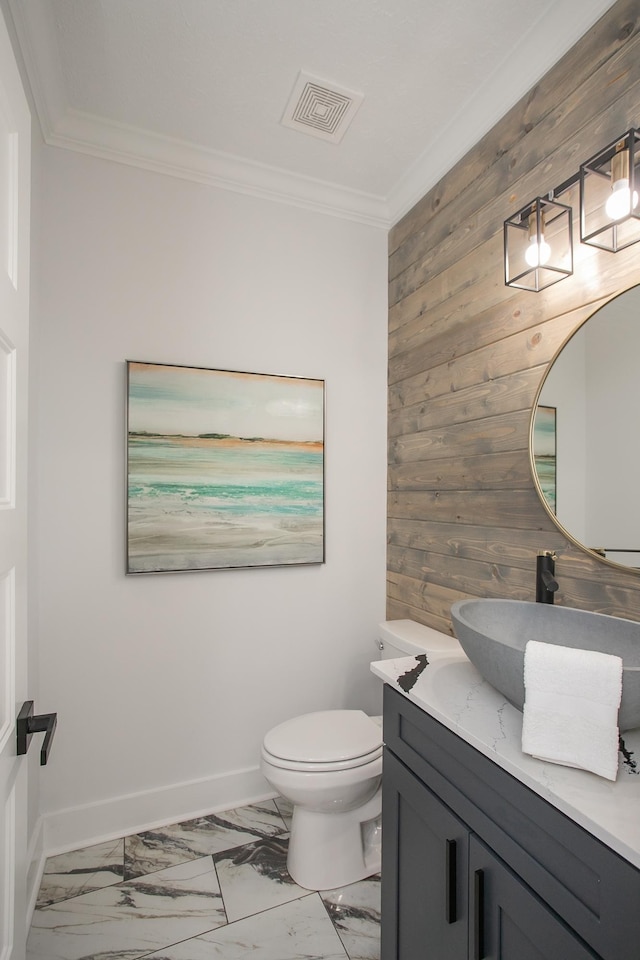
224	469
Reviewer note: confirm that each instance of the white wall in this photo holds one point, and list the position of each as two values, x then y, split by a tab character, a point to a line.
165	680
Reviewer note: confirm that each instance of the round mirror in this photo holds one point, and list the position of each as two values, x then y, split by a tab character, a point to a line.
584	441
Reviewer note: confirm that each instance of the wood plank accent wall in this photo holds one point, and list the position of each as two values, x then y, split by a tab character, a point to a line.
467	354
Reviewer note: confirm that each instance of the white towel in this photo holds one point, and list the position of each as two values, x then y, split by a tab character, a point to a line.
570	714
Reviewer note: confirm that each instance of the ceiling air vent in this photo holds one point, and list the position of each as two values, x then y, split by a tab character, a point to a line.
321	109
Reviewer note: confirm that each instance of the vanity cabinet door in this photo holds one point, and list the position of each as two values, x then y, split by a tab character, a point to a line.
508	921
424	873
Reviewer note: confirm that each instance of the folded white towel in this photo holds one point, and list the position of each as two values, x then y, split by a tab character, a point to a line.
570	715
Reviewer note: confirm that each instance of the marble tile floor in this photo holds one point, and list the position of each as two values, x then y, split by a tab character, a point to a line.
213	887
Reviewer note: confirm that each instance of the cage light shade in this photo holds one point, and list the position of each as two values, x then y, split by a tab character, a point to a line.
538	245
609	202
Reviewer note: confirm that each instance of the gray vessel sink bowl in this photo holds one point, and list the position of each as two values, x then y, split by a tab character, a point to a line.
493	634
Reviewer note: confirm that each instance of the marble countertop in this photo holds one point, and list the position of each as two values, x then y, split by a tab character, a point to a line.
451	690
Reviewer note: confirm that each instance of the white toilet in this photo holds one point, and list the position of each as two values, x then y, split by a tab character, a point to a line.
329	766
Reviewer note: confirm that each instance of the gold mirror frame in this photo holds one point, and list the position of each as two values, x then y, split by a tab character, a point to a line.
532	465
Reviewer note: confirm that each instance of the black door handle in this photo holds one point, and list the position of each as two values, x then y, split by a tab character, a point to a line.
450	882
478	915
27	725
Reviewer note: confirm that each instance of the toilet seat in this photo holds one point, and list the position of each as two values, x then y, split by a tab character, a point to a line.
324	741
328	767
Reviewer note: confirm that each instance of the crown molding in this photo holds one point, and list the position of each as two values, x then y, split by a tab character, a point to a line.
95	136
545	43
187	161
42	66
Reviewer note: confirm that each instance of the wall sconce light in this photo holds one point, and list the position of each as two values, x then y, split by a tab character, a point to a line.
538	239
538	245
609	208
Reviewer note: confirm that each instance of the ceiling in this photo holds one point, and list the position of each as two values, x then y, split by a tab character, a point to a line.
198	88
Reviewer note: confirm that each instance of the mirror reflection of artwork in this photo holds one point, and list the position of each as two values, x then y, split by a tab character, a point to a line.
544	452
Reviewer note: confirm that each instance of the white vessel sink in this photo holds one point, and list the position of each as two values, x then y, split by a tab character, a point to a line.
493	634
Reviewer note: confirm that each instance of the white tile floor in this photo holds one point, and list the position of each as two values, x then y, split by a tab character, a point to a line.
214	887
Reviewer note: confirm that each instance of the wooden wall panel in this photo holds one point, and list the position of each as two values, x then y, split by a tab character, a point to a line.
467	354
597	48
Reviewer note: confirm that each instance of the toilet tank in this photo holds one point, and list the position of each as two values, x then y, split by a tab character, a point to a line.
406	638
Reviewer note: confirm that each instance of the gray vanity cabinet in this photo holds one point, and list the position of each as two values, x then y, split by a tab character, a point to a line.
508	921
476	865
428	919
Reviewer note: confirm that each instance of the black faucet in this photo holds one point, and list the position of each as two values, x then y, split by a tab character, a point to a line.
546	583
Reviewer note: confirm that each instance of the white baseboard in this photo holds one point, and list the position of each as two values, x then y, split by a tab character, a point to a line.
36	858
84	825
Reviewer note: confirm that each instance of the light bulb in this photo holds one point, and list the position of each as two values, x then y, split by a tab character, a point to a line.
619	203
536	253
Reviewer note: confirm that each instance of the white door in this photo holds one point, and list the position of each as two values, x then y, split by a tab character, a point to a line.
15	144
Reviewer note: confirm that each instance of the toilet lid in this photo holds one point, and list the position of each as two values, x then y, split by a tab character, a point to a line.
325	737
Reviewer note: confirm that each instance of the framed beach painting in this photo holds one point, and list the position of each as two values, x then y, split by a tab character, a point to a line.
545	452
224	469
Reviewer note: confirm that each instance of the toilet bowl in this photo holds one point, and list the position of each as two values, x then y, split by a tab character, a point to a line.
328	764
